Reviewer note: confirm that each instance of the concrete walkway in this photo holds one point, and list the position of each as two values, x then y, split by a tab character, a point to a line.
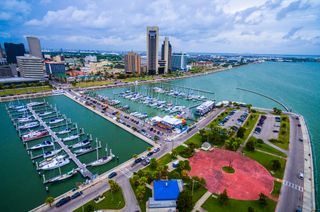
129	196
268	153
200	202
276	147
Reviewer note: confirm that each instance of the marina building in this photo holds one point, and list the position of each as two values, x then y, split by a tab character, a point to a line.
53	68
34	47
152	49
13	50
166	51
30	67
179	62
132	63
204	108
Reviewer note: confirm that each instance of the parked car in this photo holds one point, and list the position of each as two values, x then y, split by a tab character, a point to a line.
77	194
156	150
63	201
149	154
300	175
113	174
138	160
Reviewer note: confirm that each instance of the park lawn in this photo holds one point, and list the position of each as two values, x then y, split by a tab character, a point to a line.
284	133
132	79
142	203
265	160
24	90
195	139
270	149
212	204
276	189
95	83
164	160
249	124
115	201
197	194
180	149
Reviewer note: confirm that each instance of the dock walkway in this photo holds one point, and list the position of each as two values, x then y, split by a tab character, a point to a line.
82	167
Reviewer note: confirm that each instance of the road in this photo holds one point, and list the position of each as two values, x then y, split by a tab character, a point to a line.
292	189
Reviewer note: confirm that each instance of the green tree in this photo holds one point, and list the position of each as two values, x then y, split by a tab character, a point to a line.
135	180
1	86
184	202
250	209
250	145
153	164
89	208
262	200
223	198
135	156
141	191
114	186
276	165
49	200
241	131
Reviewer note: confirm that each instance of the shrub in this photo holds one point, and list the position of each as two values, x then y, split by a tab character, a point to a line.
223	198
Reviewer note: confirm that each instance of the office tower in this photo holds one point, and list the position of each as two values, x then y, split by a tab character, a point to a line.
55	68
179	61
152	49
30	67
34	47
13	50
132	63
166	51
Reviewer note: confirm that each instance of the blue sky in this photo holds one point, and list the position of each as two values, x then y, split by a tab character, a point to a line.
233	26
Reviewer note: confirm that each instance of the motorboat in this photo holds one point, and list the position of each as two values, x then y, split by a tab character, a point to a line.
45	113
62	177
22	109
66	130
55	163
25	119
83	150
43	144
32	104
29	125
34	135
81	144
49	154
55	121
70	138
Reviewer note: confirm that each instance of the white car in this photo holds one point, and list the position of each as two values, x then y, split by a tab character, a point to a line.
300	175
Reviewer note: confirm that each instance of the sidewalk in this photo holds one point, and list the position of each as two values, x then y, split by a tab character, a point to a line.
200	202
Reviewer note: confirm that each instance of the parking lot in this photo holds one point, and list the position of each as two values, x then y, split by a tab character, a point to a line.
235	118
267	129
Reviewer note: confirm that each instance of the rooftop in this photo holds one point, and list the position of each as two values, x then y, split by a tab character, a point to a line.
166	189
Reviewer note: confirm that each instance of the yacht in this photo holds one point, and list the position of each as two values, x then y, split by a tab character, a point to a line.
55	163
22	109
25	119
31	104
43	144
45	113
34	135
102	160
83	150
71	137
61	177
55	121
66	130
49	154
29	125
81	144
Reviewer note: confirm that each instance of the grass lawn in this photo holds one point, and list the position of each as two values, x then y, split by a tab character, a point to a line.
284	133
132	79
164	160
249	124
115	201
179	149
276	189
142	203
24	90
197	194
265	160
212	204
267	148
228	169
195	139
95	83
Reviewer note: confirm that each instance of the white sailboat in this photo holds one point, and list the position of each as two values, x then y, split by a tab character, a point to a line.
55	163
104	159
60	177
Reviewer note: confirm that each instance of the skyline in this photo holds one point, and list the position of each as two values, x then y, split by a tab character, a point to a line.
263	27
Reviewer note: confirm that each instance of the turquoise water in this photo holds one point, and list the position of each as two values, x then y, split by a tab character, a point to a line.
21	186
297	85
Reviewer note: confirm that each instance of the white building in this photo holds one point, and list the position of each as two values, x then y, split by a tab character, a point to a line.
30	67
90	58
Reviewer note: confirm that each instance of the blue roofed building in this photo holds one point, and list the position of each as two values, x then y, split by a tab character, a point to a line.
165	194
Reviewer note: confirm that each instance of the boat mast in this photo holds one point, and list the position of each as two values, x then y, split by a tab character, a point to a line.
97	149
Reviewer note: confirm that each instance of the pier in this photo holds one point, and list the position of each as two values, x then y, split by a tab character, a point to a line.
194	89
82	167
268	97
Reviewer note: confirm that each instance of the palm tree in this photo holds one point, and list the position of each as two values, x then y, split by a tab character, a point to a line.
49	200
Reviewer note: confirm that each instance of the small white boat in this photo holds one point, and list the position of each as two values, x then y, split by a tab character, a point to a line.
31	104
45	113
25	119
29	125
22	110
67	130
83	150
49	154
81	144
71	137
55	121
55	163
61	177
43	144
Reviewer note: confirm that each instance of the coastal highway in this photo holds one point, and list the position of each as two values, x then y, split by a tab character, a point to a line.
291	196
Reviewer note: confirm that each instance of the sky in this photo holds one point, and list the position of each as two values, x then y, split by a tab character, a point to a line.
220	26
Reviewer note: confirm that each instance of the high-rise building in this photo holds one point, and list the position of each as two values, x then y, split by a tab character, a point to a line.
30	67
166	51
55	68
1	52
13	50
152	49
132	63
34	47
179	61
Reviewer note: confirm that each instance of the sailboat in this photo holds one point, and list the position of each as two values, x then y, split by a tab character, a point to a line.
60	177
102	160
